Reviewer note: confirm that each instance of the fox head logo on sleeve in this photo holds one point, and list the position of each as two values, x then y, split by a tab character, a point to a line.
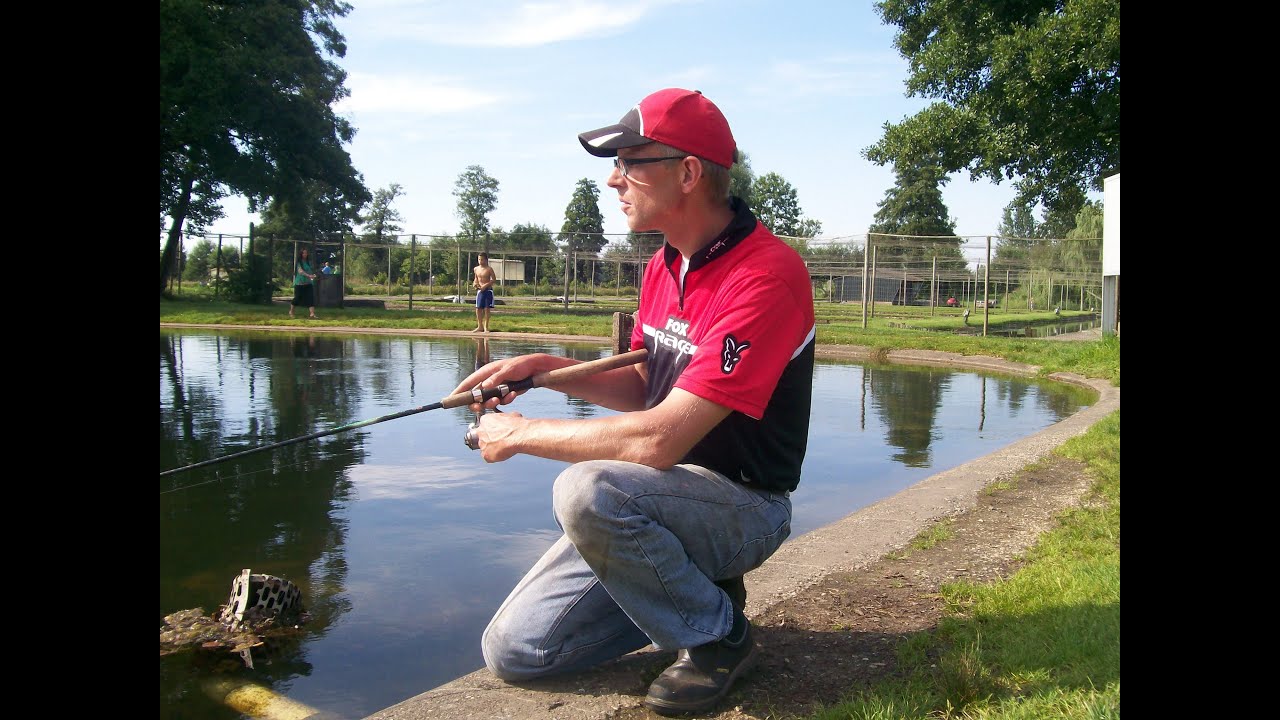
732	353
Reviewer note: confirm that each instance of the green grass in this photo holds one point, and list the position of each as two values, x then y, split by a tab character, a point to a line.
1044	643
837	325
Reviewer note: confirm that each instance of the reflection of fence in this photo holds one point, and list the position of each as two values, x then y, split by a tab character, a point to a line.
1013	274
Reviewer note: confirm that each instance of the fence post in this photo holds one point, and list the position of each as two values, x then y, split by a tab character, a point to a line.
623	324
271	265
986	291
866	255
933	286
413	247
872	288
217	270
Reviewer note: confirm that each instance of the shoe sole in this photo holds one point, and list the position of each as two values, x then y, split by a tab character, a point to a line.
662	707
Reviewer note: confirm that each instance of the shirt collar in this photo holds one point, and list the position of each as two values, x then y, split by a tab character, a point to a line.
742	225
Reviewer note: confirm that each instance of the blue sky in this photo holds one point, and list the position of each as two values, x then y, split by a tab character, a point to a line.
438	86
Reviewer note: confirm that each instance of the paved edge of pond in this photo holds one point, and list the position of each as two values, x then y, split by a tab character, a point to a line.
845	545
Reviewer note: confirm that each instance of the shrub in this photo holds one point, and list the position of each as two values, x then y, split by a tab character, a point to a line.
249	283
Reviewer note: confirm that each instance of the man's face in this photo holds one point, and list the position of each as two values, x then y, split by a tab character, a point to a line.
648	191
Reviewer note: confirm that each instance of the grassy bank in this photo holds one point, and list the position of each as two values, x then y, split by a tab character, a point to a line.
837	325
1044	643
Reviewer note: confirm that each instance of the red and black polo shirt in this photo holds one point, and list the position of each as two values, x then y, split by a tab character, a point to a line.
740	333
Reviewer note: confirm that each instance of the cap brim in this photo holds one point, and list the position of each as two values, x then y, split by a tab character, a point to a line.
606	141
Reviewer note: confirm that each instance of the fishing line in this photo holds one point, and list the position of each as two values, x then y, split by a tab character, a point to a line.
219	477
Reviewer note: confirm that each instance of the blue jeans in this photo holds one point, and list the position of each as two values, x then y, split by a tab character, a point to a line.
641	551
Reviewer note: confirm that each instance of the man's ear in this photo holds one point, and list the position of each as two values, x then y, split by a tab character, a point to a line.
690	174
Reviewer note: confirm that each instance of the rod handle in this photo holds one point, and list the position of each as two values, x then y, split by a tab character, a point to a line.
551	377
591	367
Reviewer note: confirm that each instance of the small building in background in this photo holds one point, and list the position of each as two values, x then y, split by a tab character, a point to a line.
510	272
1111	255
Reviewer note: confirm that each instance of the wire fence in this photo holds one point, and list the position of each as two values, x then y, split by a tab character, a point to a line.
1015	274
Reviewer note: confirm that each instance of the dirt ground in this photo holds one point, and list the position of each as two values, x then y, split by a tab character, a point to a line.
841	634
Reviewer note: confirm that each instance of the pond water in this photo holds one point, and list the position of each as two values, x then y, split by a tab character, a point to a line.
404	542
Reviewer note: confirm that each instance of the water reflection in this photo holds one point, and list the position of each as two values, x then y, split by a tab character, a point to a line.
403	541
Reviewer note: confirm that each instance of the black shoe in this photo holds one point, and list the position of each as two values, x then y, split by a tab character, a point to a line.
737	591
701	676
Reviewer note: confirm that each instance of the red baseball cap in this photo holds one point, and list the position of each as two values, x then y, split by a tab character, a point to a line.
683	119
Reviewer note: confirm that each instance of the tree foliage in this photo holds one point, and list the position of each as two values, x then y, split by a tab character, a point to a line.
741	179
477	195
382	219
1018	228
914	206
246	96
202	259
1082	247
583	228
777	205
1018	221
526	236
1026	88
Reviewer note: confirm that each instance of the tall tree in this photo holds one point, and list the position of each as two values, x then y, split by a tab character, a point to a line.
382	219
1018	228
1018	221
914	206
777	205
1026	88
477	195
583	228
381	226
246	100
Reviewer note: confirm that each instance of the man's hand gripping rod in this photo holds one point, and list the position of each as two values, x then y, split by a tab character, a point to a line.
551	377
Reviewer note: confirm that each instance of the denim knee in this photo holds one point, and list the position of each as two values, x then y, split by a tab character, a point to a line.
503	657
579	494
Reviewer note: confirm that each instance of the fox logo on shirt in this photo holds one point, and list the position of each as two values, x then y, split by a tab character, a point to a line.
732	353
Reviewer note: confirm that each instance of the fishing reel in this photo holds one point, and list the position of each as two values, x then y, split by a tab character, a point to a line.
472	437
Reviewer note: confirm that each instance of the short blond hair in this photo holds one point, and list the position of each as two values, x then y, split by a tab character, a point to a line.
716	176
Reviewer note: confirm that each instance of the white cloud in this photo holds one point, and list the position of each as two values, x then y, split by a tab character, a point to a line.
862	75
418	94
516	24
390	482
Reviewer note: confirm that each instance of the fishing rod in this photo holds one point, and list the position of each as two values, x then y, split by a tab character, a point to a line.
475	395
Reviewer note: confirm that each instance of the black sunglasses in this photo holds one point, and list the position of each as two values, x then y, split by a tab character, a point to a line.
622	163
